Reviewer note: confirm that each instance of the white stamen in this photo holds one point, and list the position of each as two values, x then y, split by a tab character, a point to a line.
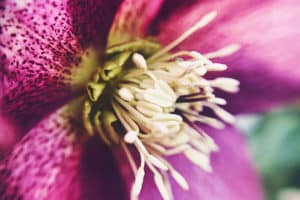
223	114
125	94
149	109
139	61
130	137
180	179
158	127
157	163
139	179
200	71
167	117
226	51
161	187
200	159
216	67
219	101
226	84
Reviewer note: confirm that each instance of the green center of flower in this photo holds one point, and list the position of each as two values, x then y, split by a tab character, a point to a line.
107	86
147	97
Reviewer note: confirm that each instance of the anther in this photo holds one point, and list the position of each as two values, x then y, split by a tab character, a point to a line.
139	61
125	94
130	137
226	51
226	84
157	163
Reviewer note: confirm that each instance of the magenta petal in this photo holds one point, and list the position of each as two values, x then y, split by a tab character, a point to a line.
40	41
8	134
44	164
132	20
233	175
266	65
50	163
100	177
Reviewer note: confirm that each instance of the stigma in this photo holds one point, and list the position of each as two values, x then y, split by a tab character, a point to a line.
150	98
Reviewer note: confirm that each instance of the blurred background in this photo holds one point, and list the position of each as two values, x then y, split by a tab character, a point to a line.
274	141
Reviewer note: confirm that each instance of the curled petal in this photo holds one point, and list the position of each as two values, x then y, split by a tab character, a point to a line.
233	175
51	163
132	20
267	63
41	46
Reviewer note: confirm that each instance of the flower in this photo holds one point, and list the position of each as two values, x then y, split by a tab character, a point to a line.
49	50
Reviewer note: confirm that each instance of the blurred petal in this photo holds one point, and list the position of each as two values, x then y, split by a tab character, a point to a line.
8	134
132	20
100	177
266	65
41	44
50	163
233	176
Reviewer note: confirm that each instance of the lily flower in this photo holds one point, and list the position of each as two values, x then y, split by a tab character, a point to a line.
123	99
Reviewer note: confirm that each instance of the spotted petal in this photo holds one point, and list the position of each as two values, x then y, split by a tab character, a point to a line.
41	44
233	175
267	63
51	163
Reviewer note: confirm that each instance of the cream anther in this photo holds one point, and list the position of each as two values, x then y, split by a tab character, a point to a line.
216	67
218	101
160	128
126	94
130	137
157	163
226	51
139	61
226	84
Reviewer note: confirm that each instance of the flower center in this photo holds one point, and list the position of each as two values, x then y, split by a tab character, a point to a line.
147	97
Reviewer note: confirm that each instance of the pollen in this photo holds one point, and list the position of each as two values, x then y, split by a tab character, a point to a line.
148	97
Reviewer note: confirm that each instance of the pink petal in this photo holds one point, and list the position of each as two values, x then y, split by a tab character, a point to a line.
132	20
266	65
51	163
8	134
41	42
99	175
233	175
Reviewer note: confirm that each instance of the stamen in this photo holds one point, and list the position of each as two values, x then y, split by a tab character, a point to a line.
199	159
139	61
180	179
161	186
224	115
125	94
216	67
157	163
218	101
149	109
226	84
130	158
139	179
130	137
158	127
226	51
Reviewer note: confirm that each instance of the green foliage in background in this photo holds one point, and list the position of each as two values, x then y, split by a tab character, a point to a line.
275	143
